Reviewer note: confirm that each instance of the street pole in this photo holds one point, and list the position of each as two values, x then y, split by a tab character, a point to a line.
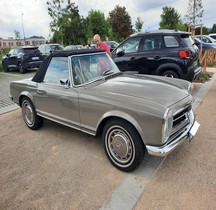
23	29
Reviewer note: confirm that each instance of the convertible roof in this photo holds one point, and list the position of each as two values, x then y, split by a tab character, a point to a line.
39	76
66	53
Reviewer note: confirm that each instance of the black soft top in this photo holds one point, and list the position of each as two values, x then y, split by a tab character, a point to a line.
39	76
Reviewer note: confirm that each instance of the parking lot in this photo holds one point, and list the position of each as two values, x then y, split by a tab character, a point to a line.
60	168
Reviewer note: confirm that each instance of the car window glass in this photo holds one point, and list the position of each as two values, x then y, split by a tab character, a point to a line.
170	41
11	52
47	49
15	52
87	68
57	70
151	43
188	41
131	45
207	40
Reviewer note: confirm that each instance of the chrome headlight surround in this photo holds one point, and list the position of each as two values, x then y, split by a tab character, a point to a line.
191	116
190	88
167	125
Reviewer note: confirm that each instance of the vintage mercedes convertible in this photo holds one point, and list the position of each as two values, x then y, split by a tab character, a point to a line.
84	89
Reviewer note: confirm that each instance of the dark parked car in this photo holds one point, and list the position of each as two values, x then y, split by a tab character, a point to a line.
167	53
22	58
112	45
46	49
134	114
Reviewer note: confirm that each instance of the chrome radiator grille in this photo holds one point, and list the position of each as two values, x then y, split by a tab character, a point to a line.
181	119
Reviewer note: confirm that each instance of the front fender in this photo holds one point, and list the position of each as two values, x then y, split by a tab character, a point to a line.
124	116
23	94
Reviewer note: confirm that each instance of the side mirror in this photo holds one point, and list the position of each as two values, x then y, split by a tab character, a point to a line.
120	52
65	82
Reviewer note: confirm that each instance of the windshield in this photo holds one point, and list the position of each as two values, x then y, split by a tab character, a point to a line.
56	47
91	67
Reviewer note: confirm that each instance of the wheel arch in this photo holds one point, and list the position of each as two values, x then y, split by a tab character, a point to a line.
25	94
121	116
169	66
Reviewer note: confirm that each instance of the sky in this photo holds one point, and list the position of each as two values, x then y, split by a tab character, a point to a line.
30	17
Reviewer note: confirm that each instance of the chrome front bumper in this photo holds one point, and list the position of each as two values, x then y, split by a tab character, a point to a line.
188	133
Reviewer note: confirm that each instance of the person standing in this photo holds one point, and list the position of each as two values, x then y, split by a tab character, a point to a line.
100	45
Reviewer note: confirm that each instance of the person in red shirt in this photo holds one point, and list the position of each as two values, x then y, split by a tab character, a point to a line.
100	45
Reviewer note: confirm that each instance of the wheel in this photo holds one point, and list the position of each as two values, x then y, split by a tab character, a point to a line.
31	119
170	73
5	68
21	68
123	145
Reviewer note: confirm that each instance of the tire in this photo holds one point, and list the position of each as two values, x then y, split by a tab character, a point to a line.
171	74
31	119
5	68
123	145
21	68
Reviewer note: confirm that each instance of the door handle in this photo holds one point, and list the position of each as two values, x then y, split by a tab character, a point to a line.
40	92
157	57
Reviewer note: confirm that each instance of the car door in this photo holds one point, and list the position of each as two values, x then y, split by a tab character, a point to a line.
55	98
149	57
126	55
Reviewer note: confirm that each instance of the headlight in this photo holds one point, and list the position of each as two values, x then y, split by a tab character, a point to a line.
167	125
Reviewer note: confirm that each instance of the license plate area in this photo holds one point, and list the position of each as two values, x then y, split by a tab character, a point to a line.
35	58
193	130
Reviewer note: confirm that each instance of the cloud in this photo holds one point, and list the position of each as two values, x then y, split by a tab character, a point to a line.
36	19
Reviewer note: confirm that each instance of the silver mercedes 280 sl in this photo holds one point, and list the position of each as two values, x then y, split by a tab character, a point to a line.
84	89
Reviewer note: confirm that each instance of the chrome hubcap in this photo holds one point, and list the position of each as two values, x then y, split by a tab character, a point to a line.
119	145
28	113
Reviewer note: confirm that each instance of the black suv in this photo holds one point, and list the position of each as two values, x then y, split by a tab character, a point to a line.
168	53
22	58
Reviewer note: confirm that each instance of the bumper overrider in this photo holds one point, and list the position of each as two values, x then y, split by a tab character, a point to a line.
187	133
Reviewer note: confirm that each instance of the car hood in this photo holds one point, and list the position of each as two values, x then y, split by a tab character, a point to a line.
160	90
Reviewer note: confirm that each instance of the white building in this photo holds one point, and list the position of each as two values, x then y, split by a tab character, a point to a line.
12	43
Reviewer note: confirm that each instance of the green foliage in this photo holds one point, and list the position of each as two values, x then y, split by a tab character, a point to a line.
3	52
138	24
204	31
67	25
213	30
194	12
97	24
204	77
182	26
120	22
169	18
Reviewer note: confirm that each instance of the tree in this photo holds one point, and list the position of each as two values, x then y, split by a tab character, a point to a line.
17	34
97	24
204	30
120	22
170	18
138	25
213	30
67	25
194	12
